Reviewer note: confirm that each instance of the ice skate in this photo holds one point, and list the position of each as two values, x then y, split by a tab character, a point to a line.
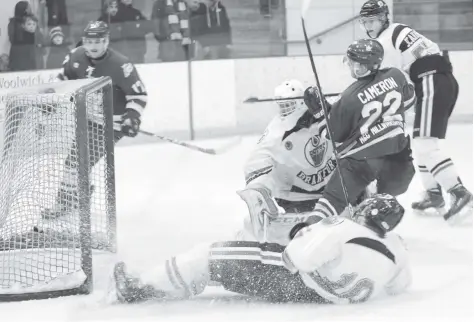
432	204
461	206
130	289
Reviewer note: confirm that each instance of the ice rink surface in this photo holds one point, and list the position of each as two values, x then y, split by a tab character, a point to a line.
170	198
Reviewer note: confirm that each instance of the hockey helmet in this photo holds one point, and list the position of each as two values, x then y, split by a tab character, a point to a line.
96	39
373	8
382	213
364	57
96	29
289	96
373	17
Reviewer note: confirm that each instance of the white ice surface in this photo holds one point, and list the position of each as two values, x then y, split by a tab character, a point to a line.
170	198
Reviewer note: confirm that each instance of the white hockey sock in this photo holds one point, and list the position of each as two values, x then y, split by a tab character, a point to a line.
434	166
443	170
182	276
426	177
324	208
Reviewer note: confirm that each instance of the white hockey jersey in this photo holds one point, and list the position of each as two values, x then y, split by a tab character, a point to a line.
291	160
403	45
346	262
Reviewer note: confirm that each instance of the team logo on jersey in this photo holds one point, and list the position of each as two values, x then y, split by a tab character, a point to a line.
89	71
127	69
315	150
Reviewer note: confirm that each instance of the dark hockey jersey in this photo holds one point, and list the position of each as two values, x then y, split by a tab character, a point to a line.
128	89
369	118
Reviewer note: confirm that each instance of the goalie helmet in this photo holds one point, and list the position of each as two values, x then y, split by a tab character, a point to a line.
96	39
286	93
382	213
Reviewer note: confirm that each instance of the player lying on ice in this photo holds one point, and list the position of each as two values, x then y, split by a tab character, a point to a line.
337	260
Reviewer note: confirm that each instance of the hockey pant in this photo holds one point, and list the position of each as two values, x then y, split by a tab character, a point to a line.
247	268
436	96
393	174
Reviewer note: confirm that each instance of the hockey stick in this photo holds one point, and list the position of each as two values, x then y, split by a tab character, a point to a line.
304	10
254	99
213	151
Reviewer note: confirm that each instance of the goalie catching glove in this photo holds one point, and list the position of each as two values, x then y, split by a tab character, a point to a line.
128	123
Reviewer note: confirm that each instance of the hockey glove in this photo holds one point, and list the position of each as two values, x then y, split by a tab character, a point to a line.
313	101
130	122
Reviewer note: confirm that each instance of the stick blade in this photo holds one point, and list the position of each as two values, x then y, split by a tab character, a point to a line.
251	99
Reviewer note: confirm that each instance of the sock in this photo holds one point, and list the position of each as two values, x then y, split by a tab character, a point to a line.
434	167
427	178
181	276
325	209
443	171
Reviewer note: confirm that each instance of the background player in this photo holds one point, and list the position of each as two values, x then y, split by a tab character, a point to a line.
368	121
330	257
437	92
92	60
288	168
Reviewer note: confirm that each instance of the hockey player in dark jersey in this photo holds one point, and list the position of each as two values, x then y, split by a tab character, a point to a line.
94	59
368	123
437	91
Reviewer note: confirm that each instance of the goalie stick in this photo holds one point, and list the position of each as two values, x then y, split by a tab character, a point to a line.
213	151
304	10
254	99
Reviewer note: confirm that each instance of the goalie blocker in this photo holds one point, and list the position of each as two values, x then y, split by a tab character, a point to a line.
50	257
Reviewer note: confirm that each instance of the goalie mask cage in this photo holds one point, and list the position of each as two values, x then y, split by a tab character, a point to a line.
53	132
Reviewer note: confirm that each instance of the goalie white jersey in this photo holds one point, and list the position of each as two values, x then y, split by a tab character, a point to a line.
403	45
291	159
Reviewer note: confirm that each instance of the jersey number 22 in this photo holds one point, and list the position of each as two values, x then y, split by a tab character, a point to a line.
372	110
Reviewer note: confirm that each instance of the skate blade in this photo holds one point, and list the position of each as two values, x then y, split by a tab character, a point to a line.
463	217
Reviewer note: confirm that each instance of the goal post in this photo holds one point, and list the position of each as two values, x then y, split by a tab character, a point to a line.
55	135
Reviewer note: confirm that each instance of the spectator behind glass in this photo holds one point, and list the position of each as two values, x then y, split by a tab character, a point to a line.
26	52
57	15
128	28
58	48
171	29
110	17
210	26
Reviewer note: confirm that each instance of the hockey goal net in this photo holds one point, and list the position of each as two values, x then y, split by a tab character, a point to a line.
51	133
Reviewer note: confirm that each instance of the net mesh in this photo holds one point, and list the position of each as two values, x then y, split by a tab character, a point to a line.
45	239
